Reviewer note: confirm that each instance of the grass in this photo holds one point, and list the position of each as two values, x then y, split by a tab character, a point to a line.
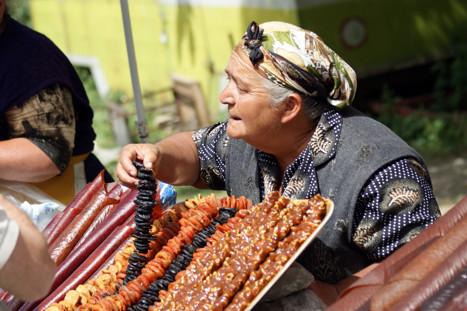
184	193
431	132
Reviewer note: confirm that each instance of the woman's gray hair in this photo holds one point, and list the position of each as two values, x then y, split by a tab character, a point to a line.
314	107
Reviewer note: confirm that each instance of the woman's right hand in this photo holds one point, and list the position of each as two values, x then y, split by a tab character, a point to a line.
145	153
173	160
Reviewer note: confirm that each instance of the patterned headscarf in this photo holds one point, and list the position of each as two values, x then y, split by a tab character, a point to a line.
298	59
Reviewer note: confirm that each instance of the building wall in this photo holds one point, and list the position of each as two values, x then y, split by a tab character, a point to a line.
195	37
377	36
191	38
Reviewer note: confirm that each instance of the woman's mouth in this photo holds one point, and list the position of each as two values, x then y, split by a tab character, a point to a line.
234	118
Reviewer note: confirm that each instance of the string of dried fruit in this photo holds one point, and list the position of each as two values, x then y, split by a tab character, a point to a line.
202	203
240	203
195	274
163	235
98	284
245	247
219	233
147	188
111	275
114	240
166	233
164	227
289	218
191	222
151	295
258	279
217	236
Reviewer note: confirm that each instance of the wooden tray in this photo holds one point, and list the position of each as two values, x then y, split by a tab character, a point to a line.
329	211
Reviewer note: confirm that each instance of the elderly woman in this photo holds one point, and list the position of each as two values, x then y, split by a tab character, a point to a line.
291	128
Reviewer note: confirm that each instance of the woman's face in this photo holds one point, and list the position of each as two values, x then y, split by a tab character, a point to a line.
252	118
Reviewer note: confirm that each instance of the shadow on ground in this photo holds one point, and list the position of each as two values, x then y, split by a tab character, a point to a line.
449	178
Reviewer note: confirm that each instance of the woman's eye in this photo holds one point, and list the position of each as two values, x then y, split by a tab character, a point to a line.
241	89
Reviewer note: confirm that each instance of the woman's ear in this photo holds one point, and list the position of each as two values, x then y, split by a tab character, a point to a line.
292	107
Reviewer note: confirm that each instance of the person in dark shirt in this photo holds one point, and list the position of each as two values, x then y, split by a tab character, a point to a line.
46	133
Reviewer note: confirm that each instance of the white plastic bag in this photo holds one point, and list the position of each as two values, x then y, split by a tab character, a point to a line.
39	206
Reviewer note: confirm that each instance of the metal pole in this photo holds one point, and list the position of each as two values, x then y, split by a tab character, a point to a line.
141	123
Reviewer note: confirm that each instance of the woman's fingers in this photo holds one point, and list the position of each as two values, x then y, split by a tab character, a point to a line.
125	170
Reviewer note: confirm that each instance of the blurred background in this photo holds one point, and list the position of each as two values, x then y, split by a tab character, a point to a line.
410	57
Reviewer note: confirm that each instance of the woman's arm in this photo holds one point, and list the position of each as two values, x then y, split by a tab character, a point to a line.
173	160
21	160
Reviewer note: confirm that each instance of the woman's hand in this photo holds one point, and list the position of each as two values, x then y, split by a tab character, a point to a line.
174	160
148	154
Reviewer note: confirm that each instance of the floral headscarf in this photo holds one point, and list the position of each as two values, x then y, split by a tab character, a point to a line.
298	59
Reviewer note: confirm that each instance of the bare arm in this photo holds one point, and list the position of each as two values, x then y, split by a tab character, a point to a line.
21	160
174	160
29	272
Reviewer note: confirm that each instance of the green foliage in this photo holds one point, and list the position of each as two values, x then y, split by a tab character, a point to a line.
101	123
429	131
155	133
186	192
451	85
19	10
440	127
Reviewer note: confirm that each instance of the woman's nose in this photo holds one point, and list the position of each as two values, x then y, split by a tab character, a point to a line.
225	96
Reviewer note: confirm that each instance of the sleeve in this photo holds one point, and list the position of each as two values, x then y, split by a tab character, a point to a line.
396	205
47	119
212	143
9	232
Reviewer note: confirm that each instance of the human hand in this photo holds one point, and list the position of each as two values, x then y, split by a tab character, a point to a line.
145	153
